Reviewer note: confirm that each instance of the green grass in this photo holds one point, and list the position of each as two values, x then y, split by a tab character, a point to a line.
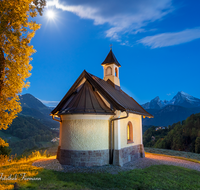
159	177
155	177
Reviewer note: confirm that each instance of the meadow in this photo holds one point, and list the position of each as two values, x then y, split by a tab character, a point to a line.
153	177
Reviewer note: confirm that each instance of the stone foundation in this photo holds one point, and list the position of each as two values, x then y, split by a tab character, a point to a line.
99	157
124	155
83	158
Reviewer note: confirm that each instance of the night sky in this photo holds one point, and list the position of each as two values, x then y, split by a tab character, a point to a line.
156	42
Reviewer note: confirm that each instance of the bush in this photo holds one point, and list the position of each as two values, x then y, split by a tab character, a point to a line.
4	159
4	150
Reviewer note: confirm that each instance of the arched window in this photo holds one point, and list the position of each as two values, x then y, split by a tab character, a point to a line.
116	72
109	71
129	132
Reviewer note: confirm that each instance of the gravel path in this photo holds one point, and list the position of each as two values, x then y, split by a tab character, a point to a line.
150	159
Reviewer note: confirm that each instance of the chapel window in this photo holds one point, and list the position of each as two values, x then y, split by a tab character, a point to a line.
116	72
109	71
129	132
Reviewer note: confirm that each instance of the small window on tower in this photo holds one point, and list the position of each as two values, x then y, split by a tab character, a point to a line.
116	72
109	71
129	133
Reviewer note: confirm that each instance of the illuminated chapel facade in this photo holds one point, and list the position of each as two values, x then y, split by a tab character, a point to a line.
99	123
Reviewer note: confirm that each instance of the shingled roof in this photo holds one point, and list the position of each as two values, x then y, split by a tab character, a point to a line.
110	59
85	100
115	96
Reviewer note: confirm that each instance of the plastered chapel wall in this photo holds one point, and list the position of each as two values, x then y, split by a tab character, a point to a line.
85	134
136	121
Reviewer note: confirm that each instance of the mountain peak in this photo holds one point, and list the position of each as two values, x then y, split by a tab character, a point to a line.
28	100
185	100
27	94
180	99
154	104
183	94
156	98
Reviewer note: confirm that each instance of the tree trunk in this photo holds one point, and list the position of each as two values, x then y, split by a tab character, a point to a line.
2	68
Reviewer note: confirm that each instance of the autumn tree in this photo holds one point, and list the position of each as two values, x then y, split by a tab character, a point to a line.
17	28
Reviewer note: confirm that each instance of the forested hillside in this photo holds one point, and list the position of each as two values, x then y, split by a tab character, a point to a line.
33	107
184	136
27	133
32	128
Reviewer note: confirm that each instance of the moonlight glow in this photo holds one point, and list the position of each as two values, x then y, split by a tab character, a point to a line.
50	14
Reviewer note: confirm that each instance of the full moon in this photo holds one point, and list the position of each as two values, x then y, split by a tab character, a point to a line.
50	14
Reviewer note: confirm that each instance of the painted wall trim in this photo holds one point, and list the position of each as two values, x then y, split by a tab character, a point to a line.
86	116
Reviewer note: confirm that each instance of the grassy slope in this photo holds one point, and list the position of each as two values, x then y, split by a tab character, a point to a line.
16	168
154	177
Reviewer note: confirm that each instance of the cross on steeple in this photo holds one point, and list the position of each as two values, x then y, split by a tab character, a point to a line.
111	46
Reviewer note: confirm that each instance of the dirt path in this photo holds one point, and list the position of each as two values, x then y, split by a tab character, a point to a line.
149	160
152	159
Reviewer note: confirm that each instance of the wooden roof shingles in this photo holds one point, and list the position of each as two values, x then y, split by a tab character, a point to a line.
111	59
85	99
122	98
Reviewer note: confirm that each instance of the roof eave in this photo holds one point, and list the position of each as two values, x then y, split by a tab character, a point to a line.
89	113
71	90
86	75
103	64
139	113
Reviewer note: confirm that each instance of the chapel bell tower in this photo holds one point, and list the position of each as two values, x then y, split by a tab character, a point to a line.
111	68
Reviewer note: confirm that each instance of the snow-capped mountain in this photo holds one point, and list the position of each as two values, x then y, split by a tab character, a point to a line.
180	99
156	103
185	100
169	114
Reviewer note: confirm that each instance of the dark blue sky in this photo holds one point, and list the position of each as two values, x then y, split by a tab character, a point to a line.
157	44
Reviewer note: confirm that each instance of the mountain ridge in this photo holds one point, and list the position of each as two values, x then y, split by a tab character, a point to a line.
169	114
180	99
165	113
33	107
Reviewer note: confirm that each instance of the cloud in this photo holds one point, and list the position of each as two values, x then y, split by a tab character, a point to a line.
128	16
170	39
49	103
171	93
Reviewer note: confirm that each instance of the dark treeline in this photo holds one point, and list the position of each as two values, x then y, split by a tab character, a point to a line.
28	127
183	136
